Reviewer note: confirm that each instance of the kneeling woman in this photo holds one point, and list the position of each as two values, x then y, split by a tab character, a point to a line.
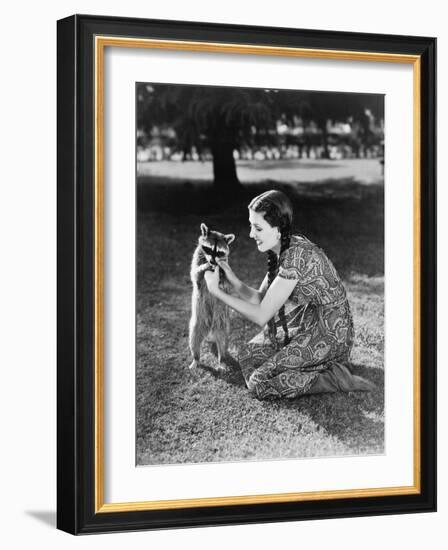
303	306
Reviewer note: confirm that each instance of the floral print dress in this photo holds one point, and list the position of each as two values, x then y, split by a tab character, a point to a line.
320	329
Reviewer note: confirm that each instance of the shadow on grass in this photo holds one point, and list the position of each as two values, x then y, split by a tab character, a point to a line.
173	195
354	418
232	375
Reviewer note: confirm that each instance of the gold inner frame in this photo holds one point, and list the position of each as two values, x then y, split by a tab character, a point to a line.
101	42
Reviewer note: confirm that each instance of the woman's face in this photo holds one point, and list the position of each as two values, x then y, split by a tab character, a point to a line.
266	236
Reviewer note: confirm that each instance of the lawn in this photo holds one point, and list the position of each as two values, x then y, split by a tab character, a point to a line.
190	417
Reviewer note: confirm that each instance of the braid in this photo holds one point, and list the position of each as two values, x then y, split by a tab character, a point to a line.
286	237
272	271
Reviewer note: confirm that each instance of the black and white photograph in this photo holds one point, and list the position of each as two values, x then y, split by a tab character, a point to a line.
259	274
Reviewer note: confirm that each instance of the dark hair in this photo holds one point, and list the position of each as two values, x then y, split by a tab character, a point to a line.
278	212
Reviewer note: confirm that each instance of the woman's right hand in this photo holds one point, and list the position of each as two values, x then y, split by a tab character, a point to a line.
228	272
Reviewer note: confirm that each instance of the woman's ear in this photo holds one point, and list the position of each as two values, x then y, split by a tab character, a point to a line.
229	238
204	230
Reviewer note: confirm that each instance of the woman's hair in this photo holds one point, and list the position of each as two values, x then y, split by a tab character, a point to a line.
278	212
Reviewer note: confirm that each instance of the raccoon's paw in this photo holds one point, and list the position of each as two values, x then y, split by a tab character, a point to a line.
194	365
221	368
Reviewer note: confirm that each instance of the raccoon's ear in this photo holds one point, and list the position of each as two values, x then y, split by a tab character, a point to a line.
229	238
204	230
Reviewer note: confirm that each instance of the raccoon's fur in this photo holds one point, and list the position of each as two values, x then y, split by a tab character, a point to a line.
209	316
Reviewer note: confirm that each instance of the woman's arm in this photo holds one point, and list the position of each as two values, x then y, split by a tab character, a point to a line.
261	313
245	292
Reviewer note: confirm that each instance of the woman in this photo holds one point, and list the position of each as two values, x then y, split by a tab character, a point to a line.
309	332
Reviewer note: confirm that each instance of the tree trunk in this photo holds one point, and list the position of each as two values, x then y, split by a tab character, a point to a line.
325	140
225	178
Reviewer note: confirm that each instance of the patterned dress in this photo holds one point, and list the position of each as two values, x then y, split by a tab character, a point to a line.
320	329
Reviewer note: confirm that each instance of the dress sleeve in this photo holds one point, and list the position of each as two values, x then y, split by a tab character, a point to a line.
304	266
290	264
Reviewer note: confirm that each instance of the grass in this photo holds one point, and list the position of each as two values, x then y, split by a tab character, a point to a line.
190	417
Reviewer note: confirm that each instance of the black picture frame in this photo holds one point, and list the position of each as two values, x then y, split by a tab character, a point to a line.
79	508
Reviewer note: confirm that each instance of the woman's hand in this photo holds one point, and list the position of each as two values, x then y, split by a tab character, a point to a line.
212	280
228	272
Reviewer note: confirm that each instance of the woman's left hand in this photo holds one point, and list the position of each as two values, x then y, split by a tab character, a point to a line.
212	280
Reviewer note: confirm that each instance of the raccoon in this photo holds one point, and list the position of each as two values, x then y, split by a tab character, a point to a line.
209	316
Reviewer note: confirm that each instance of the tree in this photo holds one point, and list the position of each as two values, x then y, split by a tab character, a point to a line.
222	119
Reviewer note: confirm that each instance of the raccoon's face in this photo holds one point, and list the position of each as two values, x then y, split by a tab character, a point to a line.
214	245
